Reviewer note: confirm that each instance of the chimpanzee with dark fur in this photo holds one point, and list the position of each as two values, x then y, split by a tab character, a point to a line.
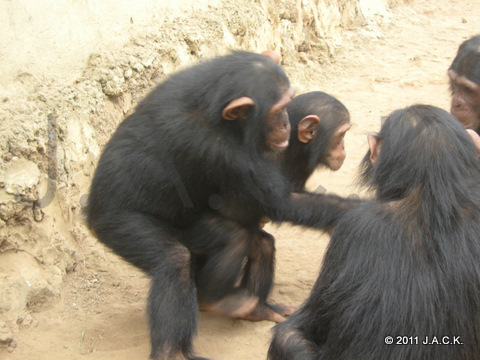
402	271
464	74
182	184
319	124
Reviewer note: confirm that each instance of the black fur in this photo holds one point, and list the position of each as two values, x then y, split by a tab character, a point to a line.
467	60
405	264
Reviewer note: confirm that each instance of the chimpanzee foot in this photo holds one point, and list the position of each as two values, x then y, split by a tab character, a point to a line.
235	306
270	312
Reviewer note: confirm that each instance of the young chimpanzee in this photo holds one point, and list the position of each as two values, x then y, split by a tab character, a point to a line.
401	277
182	184
464	74
319	123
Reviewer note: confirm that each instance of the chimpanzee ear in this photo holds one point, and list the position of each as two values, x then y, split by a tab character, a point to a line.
307	128
237	108
374	143
475	138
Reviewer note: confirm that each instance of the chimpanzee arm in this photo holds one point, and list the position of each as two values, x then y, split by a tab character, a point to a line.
321	211
259	186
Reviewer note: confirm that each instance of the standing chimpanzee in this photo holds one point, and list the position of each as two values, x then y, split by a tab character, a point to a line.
400	272
464	74
319	123
182	184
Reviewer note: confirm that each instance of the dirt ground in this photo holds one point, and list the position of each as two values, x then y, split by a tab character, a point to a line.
383	67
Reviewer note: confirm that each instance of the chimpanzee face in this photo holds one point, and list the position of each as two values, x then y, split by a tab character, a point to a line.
336	152
465	105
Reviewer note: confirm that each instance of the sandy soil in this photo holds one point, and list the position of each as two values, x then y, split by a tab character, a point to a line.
403	61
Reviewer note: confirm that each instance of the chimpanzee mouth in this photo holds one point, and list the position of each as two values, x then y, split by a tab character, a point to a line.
279	145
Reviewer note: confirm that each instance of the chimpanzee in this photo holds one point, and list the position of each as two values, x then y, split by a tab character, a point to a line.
401	277
319	123
182	184
464	74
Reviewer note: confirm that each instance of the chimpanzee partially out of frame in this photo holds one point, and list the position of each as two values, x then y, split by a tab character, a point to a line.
181	187
401	277
319	123
464	74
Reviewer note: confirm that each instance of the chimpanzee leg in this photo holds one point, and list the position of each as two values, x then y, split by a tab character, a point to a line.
172	305
258	278
220	247
258	271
